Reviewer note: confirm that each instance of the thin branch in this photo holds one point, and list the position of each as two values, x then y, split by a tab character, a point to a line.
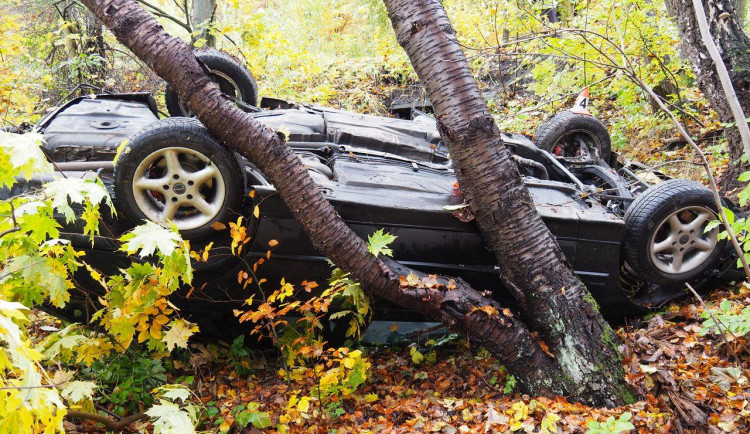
162	13
110	423
726	82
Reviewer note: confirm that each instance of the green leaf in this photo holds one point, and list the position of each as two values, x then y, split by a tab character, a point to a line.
149	238
22	154
416	356
725	305
88	189
378	243
259	419
744	176
730	215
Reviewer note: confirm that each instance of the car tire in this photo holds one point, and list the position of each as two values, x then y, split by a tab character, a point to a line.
174	168
555	135
233	78
664	239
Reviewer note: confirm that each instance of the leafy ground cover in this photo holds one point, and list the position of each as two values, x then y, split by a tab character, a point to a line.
688	376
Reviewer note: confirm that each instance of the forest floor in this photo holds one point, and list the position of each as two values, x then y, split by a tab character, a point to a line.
685	379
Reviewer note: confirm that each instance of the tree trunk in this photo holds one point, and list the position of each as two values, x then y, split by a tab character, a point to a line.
500	333
734	46
202	16
558	305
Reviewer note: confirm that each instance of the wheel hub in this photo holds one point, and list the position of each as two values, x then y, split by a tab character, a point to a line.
679	244
181	185
179	188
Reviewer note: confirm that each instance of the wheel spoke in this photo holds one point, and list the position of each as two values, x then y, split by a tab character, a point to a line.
207	173
677	260
704	245
173	162
170	209
204	207
675	224
150	184
699	221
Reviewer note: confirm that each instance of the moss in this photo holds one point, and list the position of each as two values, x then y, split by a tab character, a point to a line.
590	300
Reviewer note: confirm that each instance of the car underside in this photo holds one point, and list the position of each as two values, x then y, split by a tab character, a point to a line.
378	173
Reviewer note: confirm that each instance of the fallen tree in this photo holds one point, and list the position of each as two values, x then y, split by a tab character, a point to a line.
582	361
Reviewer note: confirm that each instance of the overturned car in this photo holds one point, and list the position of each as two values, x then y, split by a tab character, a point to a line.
634	236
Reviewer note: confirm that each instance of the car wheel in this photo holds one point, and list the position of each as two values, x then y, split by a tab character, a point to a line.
574	135
664	239
232	77
175	170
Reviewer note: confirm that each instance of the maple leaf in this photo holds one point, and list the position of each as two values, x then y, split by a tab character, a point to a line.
24	154
174	392
77	391
76	190
149	237
178	334
169	418
378	243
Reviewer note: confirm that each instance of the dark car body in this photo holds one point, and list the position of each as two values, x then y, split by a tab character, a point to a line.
378	173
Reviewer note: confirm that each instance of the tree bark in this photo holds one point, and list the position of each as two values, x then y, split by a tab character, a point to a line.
734	47
504	336
557	304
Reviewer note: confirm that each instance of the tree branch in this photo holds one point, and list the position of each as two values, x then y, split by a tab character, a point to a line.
110	423
726	81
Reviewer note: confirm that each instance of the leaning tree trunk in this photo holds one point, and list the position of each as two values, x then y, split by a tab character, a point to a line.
452	302
557	304
734	46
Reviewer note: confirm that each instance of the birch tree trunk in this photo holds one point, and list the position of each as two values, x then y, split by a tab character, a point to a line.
557	304
503	335
734	47
202	16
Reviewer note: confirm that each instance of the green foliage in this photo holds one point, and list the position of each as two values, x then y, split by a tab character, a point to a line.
730	318
37	267
611	425
510	385
127	379
245	415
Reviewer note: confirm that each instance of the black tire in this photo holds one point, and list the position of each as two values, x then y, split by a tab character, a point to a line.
227	185
224	64
554	134
651	243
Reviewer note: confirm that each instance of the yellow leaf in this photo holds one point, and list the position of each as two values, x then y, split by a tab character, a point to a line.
304	404
256	211
412	279
155	331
